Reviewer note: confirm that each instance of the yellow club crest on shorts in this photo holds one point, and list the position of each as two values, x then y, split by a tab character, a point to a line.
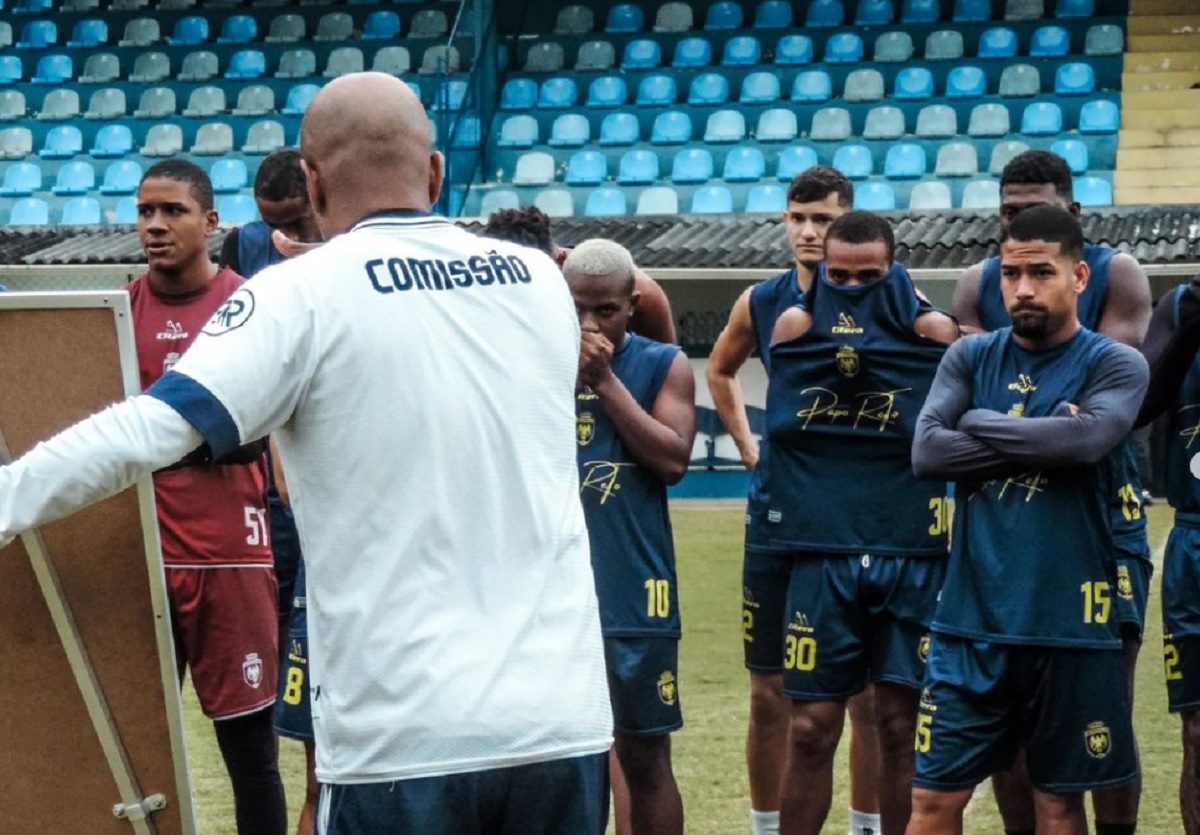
1098	740
923	648
847	361
585	428
668	689
1124	584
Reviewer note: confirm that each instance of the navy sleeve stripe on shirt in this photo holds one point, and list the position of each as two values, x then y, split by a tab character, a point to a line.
199	407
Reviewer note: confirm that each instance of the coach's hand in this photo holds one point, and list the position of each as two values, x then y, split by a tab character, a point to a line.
595	358
289	248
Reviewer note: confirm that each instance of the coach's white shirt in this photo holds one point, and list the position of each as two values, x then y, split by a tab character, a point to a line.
419	382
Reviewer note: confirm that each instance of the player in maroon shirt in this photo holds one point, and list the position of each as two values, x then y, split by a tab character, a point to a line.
211	514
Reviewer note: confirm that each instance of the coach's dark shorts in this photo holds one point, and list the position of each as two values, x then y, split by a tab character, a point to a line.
1181	618
765	579
293	711
1068	708
643	684
1133	594
552	798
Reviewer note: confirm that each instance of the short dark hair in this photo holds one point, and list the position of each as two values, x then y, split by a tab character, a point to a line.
280	176
183	171
817	183
1039	168
529	227
1050	224
863	228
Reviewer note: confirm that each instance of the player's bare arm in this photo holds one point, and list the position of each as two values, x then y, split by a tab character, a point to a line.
1127	307
937	326
793	324
966	300
730	352
652	318
1170	348
659	440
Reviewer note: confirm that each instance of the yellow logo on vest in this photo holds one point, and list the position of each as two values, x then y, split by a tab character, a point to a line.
847	361
1124	583
1023	385
668	689
1098	740
923	648
846	324
585	428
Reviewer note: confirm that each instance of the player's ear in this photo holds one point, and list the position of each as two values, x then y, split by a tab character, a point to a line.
1075	208
634	298
211	219
1082	273
315	186
437	172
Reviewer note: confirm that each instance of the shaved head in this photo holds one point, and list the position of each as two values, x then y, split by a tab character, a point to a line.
366	147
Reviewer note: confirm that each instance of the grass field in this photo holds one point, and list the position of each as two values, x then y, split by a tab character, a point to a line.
709	751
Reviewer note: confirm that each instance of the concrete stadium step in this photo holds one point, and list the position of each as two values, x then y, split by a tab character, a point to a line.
1161	100
1136	82
1141	138
1163	43
1160	120
1155	157
1160	178
1161	7
1170	24
1139	62
1142	196
1184	137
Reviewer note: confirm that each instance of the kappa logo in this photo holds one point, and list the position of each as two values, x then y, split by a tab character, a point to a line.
174	331
235	312
846	324
1098	740
252	670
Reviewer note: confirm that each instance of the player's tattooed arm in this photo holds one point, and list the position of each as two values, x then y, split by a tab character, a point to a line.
652	318
1127	307
730	352
1170	348
966	300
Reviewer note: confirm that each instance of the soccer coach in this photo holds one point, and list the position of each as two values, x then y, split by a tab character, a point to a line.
420	384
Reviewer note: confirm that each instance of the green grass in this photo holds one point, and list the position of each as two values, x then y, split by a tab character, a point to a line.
709	759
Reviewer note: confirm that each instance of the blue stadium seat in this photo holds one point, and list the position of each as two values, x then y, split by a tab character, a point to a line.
29	211
812	86
518	94
112	141
1003	153
605	202
825	13
1075	79
712	200
671	128
1042	119
919	11
742	51
637	168
744	165
656	91
619	129
773	14
607	91
237	209
570	130
854	161
88	33
381	26
724	15
190	31
957	159
498	199
1075	8
998	42
1050	42
930	196
831	124
1074	152
1099	117
11	69
794	50
725	126
229	176
122	177
247	63
21	179
54	69
874	13
238	28
795	159
625	17
914	84
894	47
1093	191
863	86
694	165
299	98
767	198
1104	39
776	125
62	142
518	132
557	93
760	88
1019	81
556	202
692	52
642	54
126	211
659	200
972	11
937	121
966	83
844	48
885	122
989	120
32	6
904	161
38	34
709	88
874	197
944	45
534	169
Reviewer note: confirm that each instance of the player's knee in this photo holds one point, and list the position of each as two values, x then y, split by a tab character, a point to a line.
644	759
862	709
815	732
1058	807
931	806
768	705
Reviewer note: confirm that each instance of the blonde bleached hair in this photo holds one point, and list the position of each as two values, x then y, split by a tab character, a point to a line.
599	257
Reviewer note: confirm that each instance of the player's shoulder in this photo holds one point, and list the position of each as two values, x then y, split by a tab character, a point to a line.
1115	352
774	286
639	344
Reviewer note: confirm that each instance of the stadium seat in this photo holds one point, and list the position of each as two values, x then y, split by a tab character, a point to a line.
919	11
1024	9
773	14
637	168
344	60
81	211
1099	117
741	51
642	54
286	28
139	32
255	100
972	11
569	130
725	126
466	131
844	48
724	15
605	202
213	139
29	211
59	104
586	168
794	50
121	177
112	141
574	20
16	142
944	45
150	68
673	17
831	124
712	200
659	200
126	211
11	69
1042	119
198	66
519	132
999	42
1050	42
100	68
957	159
894	47
237	209
619	129
156	103
557	93
1074	152
692	52
874	197
854	161
1074	8
656	91
1075	79
812	86
334	26
1020	81
534	169
38	34
864	85
989	120
624	17
980	195
825	13
263	137
596	56
205	102
238	28
62	142
393	60
32	6
247	63
163	141
428	23
12	105
21	179
555	202
1002	153
544	56
671	128
930	196
519	94
54	69
913	84
91	32
607	91
108	103
436	59
766	198
708	88
874	13
795	159
382	25
1093	191
134	5
966	83
6	34
776	125
693	165
744	165
760	88
190	31
228	176
1104	39
299	98
936	121
884	122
